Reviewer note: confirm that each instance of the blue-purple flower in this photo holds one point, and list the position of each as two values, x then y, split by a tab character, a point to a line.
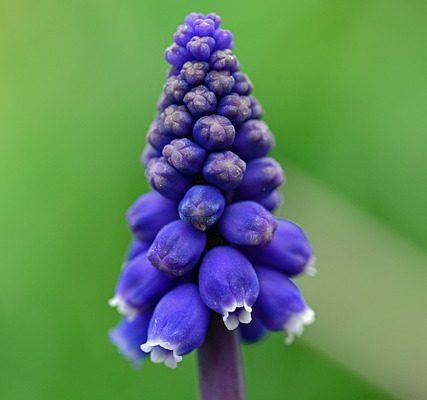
205	240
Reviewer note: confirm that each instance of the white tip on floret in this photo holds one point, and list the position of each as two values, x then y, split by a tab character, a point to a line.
123	308
294	326
309	268
161	352
236	313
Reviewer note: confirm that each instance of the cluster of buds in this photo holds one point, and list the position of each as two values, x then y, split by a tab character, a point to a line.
205	239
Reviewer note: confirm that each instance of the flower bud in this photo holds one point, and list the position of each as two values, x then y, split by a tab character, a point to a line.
140	286
235	107
215	18
177	248
272	201
201	48
214	132
192	17
194	72
176	88
290	251
178	325
256	108
129	335
183	35
224	170
148	153
224	59
157	136
243	85
228	285
280	304
247	223
262	176
202	206
166	179
204	27
220	82
254	331
185	156
177	120
223	39
200	101
150	213
253	140
177	55
136	248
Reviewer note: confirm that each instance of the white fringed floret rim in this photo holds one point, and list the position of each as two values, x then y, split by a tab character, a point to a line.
235	313
162	352
309	268
294	326
123	308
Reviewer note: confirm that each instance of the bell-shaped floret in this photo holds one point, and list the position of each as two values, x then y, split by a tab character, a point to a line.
254	331
272	201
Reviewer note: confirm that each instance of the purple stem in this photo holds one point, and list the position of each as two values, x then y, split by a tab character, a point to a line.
220	364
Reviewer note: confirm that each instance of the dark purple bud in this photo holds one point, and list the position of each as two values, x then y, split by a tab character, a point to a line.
136	248
280	305
253	140
224	59
214	132
140	286
254	331
128	336
194	72
204	27
150	213
177	120
290	251
177	248
220	82
176	88
243	85
224	170
166	179
247	223
183	35
262	176
235	107
228	285
272	201
215	18
257	111
192	17
157	136
200	101
223	39
148	153
202	206
164	101
185	155
178	325
201	48
177	55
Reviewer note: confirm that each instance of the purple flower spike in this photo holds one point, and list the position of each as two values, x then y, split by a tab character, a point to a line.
224	170
140	286
224	59
202	206
200	101
185	155
149	153
204	27
164	178
272	201
129	335
176	88
243	84
223	39
150	213
247	224
254	331
157	136
290	251
177	248
178	325
177	55
220	82
253	140
183	35
201	48
280	305
235	107
136	248
228	285
177	120
194	72
263	175
214	132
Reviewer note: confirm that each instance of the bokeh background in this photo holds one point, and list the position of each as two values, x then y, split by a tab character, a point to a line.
344	88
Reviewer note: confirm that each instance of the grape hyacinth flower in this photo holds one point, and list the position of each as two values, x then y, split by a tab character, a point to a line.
209	263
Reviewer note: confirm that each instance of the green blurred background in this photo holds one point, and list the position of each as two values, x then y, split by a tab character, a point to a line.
343	84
